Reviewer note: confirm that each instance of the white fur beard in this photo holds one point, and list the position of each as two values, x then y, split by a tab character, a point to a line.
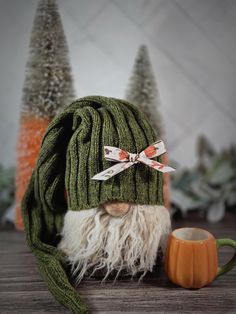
94	240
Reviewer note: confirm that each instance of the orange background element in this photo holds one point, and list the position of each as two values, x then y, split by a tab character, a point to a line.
29	142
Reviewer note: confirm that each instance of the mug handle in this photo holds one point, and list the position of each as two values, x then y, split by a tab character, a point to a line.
227	267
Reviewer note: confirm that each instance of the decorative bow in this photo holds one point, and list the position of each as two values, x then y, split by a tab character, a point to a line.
126	160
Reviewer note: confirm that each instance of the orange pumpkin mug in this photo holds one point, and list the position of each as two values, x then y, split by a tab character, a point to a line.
191	259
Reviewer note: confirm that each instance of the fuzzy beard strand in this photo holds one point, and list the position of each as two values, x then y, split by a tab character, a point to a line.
93	240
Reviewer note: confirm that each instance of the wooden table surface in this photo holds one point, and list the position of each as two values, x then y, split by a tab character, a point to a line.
22	290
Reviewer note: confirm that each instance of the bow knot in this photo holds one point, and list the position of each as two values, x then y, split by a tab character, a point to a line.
125	160
133	157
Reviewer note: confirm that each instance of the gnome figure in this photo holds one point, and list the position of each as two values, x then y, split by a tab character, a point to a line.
95	198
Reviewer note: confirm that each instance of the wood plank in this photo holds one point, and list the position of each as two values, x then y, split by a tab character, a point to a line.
23	291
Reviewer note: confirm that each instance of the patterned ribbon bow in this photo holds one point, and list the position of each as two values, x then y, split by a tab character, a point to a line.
126	160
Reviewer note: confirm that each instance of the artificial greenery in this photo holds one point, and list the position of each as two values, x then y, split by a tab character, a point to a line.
210	186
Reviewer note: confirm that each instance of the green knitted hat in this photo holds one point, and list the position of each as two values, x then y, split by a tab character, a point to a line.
71	154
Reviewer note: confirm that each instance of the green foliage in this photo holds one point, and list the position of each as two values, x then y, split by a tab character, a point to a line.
7	187
210	186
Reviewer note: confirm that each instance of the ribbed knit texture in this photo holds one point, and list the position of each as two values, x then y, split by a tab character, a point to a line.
71	154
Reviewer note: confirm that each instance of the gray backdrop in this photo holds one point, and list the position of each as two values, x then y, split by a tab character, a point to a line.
192	44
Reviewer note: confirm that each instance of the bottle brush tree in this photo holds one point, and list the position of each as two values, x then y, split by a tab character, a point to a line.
48	87
142	91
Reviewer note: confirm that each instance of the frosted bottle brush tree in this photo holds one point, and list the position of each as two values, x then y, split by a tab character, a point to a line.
47	89
48	84
143	92
142	89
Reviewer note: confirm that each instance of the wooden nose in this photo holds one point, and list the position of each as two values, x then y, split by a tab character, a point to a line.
115	208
